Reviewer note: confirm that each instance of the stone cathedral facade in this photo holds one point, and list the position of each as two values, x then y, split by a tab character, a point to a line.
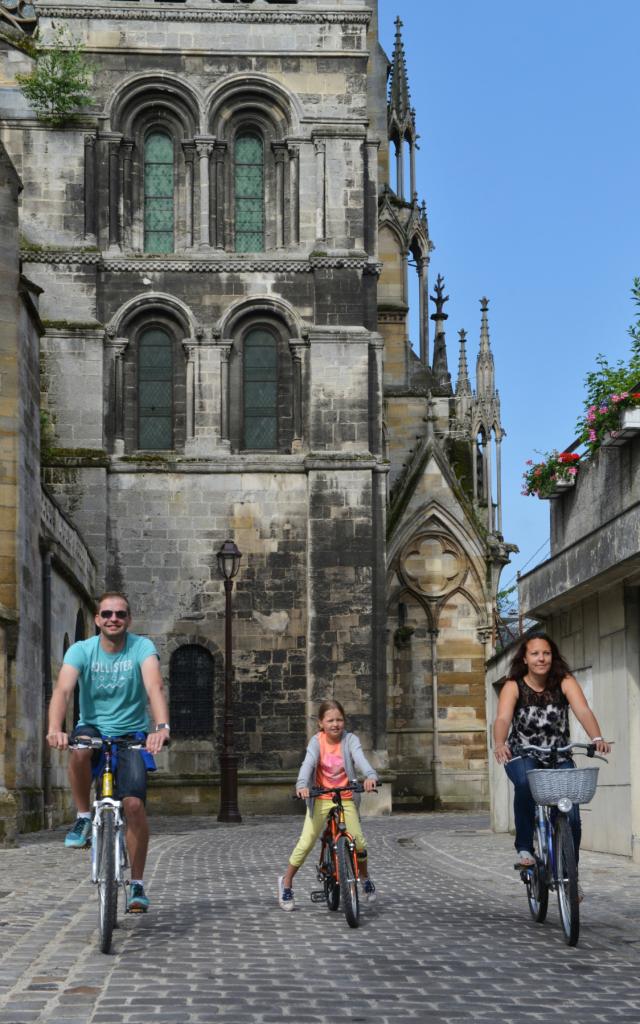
223	240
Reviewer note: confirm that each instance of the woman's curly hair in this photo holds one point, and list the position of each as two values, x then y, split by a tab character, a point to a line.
559	667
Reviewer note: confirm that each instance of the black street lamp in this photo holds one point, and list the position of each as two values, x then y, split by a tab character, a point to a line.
228	564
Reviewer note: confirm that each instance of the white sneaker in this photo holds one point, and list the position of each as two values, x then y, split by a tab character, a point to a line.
285	896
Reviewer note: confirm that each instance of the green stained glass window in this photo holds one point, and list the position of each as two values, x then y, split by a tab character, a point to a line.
158	193
155	390
249	191
260	388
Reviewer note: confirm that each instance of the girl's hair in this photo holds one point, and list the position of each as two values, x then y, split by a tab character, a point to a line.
330	705
559	668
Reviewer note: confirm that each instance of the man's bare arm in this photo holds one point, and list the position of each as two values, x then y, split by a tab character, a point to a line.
65	685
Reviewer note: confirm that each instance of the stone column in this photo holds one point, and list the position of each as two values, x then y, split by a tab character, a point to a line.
204	149
189	150
279	152
412	164
297	348
114	191
190	350
90	195
117	348
488	483
499	480
219	156
126	149
294	194
225	352
421	264
400	168
321	197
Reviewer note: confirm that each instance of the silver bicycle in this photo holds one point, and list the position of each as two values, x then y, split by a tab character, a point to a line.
555	868
109	860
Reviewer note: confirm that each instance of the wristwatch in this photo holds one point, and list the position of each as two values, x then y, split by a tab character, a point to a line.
162	725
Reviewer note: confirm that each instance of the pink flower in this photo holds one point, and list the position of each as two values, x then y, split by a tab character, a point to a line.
572	471
591	417
616	398
592	435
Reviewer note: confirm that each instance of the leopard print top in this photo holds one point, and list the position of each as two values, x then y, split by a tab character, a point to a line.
541	719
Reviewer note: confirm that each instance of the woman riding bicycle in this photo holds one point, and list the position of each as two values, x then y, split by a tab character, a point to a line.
533	709
333	758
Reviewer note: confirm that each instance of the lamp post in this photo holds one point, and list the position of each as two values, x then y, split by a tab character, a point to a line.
228	564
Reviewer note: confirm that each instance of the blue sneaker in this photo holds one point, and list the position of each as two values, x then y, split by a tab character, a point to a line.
137	902
369	890
79	835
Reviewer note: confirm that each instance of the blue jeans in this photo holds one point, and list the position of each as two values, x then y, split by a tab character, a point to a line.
524	807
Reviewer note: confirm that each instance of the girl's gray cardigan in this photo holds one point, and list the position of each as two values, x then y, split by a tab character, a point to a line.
355	764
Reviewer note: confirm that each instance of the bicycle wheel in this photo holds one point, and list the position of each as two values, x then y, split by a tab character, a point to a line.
537	887
331	887
567	881
348	883
107	886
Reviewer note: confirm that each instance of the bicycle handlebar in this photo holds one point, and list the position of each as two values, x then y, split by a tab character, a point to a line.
97	743
589	749
353	787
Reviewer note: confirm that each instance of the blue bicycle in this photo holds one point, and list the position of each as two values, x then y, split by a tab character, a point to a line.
555	869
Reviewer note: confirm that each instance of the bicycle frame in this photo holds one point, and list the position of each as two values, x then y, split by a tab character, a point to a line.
335	826
555	869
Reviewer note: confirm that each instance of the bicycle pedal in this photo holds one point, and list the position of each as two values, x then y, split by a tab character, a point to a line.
317	896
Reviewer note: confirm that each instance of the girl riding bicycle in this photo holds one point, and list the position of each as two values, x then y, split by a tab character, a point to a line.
333	758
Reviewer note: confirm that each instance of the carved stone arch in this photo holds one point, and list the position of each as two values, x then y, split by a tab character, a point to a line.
437	516
163	103
207	705
154	319
257	107
278	426
174	307
162	90
274	306
260	92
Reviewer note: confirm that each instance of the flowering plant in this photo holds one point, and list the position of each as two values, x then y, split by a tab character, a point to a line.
603	417
540	478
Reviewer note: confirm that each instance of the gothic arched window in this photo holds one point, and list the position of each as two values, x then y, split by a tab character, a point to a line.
249	192
158	192
260	390
155	390
191	679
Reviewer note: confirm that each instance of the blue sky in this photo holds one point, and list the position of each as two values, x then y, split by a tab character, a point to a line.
529	163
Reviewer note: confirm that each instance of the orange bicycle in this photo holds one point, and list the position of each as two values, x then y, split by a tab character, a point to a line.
338	865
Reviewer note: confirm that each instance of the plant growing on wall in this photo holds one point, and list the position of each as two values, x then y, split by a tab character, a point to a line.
611	388
541	478
58	85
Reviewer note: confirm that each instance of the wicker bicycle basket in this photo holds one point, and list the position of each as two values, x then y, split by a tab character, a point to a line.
550	785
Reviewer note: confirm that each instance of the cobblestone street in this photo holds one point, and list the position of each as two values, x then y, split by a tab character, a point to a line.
449	939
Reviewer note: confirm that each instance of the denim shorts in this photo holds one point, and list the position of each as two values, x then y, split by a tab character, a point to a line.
131	771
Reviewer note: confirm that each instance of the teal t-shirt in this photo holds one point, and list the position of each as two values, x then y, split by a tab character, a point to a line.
112	693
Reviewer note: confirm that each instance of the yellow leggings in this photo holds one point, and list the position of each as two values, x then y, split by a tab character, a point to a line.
313	825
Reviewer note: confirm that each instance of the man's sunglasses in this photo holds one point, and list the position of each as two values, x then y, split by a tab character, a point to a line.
120	614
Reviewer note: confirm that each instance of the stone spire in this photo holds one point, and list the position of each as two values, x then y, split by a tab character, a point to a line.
440	368
463	386
485	372
402	121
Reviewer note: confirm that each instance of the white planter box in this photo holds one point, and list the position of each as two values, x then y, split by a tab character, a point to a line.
560	487
629	427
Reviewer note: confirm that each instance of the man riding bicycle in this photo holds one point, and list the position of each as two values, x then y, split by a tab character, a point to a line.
118	673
